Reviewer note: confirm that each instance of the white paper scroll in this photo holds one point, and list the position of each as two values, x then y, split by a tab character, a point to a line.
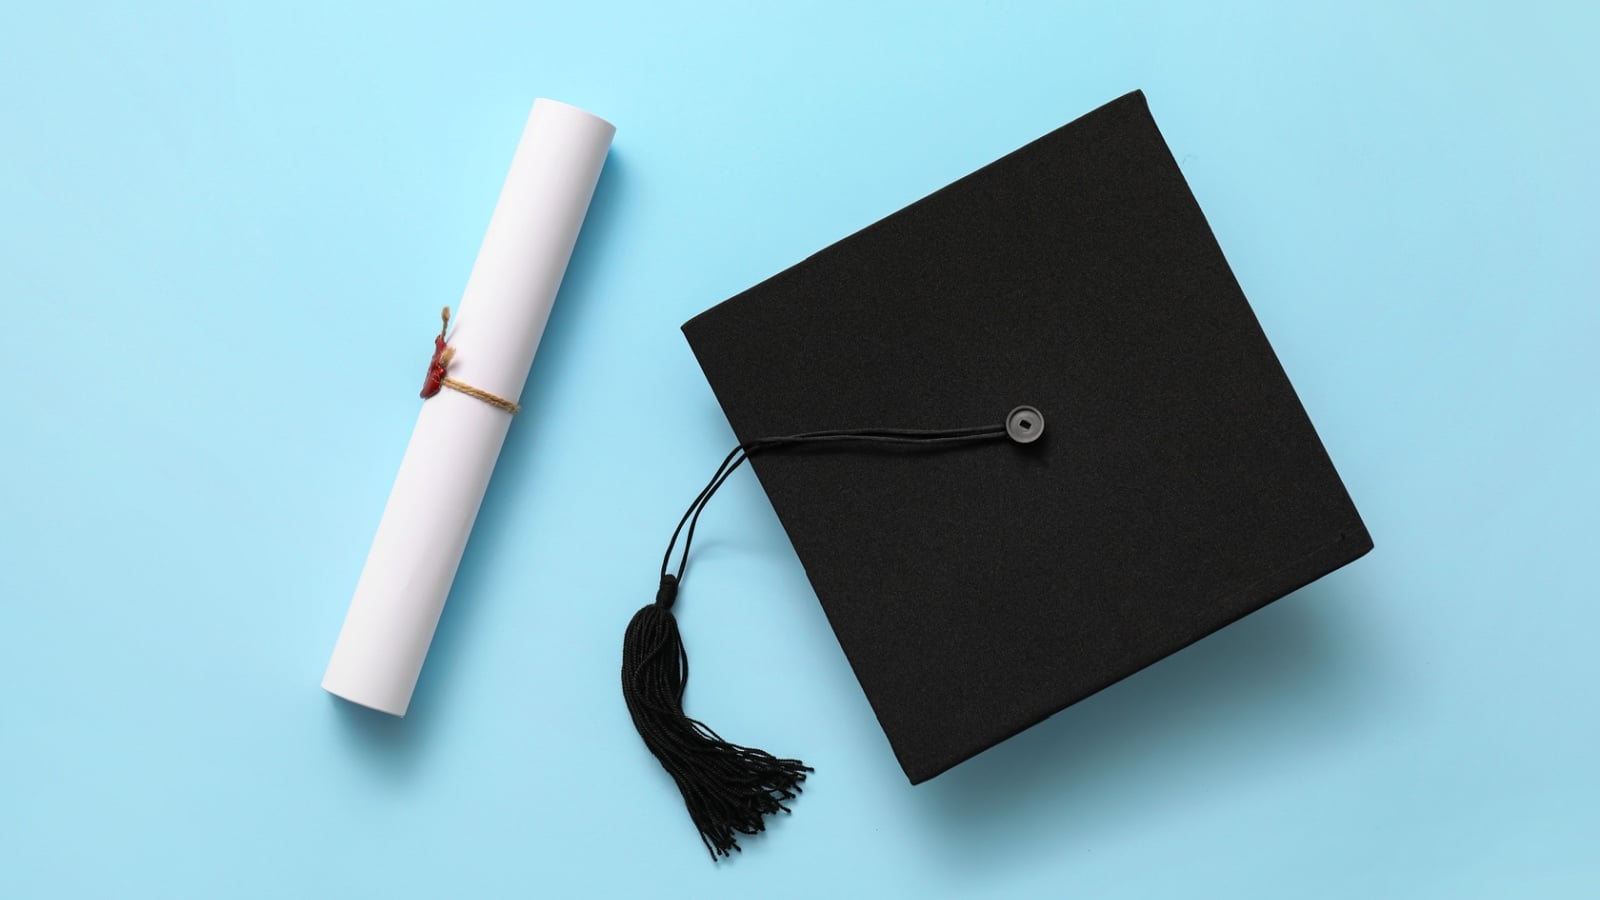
495	330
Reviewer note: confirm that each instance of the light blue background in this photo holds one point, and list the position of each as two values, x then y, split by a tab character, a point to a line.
225	233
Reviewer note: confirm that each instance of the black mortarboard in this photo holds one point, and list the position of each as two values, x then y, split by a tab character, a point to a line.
979	584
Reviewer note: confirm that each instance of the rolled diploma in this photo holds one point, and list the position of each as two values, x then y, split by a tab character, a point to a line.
452	453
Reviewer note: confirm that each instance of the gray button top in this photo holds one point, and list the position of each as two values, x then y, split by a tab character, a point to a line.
1024	425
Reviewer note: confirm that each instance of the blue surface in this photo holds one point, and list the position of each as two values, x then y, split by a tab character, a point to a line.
225	234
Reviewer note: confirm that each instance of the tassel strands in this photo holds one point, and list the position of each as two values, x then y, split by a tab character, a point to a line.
728	789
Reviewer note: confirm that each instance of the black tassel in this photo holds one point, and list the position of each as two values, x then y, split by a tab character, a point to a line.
728	789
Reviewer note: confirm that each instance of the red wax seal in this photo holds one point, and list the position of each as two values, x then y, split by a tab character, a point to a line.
435	379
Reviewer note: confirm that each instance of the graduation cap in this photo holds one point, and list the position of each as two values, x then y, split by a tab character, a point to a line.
1026	437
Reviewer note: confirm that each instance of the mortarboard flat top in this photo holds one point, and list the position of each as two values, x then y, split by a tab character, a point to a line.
1178	487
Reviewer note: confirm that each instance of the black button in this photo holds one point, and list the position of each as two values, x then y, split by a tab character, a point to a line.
1024	425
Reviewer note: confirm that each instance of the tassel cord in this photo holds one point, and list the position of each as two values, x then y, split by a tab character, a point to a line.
743	452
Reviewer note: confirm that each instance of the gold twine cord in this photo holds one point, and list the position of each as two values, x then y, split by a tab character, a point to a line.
442	357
